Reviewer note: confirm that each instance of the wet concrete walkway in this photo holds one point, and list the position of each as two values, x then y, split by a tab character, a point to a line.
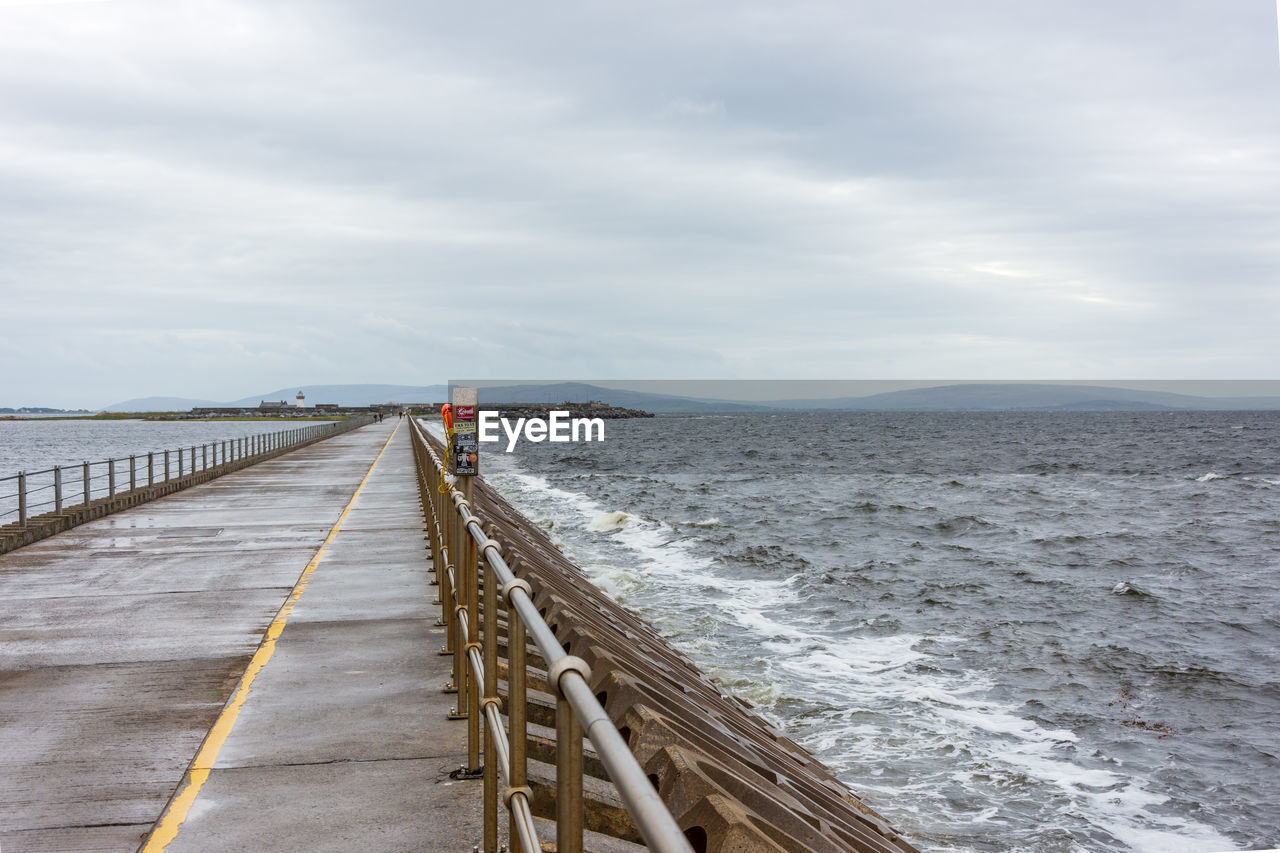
123	640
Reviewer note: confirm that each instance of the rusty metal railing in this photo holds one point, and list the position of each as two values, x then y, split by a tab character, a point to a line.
50	490
459	544
44	503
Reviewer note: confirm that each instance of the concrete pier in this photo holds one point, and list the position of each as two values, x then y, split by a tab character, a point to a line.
123	643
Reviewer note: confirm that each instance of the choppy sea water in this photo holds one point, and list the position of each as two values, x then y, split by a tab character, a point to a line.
1009	632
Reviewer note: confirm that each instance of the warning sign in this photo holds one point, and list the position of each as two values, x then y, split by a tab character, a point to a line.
464	454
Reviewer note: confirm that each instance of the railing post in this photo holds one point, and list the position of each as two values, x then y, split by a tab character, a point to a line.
458	558
517	710
473	622
22	498
86	484
490	640
133	473
57	488
193	459
166	466
568	776
204	457
447	554
179	463
151	468
111	478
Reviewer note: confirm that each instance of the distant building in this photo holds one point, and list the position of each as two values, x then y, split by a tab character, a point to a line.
302	398
264	406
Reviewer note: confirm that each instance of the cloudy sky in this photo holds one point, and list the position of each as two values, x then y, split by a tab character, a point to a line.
216	199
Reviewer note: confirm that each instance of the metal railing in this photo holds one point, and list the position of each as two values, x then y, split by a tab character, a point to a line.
65	486
458	542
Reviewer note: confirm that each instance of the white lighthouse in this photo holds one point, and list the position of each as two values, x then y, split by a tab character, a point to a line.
301	398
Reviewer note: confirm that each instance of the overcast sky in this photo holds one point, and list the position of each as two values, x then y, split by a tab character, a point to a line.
217	199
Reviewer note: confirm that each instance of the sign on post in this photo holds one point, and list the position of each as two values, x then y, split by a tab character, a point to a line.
465	452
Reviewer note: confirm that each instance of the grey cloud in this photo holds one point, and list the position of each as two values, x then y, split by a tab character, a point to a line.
820	188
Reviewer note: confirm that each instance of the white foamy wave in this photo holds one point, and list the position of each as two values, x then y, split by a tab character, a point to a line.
610	521
670	566
617	582
1210	476
997	736
835	662
710	522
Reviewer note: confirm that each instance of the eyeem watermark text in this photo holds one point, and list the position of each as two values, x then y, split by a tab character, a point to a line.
558	427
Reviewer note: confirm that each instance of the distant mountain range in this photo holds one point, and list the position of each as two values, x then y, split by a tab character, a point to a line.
1030	397
960	397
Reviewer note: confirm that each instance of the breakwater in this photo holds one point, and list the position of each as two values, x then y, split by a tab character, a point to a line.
600	410
728	780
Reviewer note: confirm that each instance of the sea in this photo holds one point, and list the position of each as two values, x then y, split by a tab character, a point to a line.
1042	632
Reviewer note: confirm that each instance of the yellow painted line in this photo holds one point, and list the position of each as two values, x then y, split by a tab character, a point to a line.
171	821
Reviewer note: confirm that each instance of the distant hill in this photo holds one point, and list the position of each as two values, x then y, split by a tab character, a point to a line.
582	392
1029	396
159	404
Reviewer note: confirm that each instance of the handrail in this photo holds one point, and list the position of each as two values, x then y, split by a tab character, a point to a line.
457	531
177	463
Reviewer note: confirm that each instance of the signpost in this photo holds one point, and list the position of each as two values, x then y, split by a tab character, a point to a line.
464	452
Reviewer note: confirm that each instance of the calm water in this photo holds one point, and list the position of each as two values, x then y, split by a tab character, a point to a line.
1010	632
37	445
